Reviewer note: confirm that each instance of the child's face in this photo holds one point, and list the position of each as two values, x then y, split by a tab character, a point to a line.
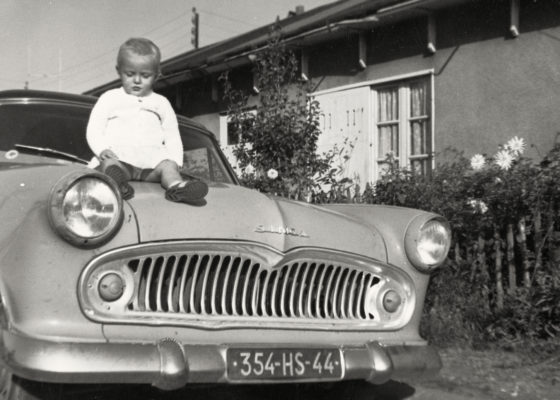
138	74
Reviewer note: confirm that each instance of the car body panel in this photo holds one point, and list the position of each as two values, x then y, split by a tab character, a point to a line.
236	213
26	238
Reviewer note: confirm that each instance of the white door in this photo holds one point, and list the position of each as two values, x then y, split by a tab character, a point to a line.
345	125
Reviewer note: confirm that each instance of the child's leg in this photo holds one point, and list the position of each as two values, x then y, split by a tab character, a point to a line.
120	174
166	172
177	188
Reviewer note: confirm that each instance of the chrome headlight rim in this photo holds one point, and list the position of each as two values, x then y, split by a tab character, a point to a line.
56	213
413	237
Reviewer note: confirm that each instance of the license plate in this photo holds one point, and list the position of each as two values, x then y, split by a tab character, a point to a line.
290	364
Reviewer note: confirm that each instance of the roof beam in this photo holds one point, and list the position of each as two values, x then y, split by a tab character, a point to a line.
362	50
431	33
514	18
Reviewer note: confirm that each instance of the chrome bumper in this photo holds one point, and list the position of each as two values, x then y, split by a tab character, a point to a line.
170	365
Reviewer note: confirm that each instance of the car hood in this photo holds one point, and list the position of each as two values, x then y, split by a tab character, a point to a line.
231	212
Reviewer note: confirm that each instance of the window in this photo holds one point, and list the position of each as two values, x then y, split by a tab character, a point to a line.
404	126
234	133
47	125
201	158
229	136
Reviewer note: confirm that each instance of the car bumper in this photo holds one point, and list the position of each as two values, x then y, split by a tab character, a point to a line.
170	365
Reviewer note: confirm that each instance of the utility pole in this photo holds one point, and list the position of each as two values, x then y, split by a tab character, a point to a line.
194	29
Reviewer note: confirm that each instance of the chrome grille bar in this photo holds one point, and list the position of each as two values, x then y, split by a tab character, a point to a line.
225	284
218	285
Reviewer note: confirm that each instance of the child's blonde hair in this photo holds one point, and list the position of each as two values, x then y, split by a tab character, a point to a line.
142	47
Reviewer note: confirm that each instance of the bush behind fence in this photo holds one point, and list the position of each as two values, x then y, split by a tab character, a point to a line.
501	282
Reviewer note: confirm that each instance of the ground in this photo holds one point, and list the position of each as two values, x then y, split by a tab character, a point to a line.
498	374
466	374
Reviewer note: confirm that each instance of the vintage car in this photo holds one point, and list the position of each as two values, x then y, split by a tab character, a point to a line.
244	288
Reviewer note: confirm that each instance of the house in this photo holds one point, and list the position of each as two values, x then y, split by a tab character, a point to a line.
408	77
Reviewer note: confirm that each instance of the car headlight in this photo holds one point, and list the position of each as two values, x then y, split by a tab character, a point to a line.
427	242
85	208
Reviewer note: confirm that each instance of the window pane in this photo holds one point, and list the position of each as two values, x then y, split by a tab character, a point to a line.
418	137
56	127
388	141
232	133
403	125
418	99
383	169
200	156
236	128
419	166
388	109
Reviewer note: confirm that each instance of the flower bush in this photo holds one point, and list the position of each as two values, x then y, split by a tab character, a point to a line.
501	283
502	280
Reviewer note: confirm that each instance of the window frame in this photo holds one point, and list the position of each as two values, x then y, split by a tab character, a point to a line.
404	122
224	122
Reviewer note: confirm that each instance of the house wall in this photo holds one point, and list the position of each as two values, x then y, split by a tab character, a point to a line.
488	86
496	87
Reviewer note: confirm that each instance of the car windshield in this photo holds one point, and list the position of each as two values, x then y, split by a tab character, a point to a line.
59	131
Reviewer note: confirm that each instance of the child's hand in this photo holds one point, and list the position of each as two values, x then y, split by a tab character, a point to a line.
107	154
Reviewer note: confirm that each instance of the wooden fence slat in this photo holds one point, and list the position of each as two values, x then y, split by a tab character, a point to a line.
512	275
498	271
521	226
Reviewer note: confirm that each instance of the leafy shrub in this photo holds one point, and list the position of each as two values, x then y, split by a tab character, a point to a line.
454	309
502	281
277	152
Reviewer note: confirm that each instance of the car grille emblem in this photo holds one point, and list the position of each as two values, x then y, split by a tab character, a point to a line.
281	230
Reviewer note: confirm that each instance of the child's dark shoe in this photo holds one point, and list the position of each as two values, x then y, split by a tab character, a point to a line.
187	191
120	177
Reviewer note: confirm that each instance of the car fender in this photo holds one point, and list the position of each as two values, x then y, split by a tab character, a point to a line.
39	270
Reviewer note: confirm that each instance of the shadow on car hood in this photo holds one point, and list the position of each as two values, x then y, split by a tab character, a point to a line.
232	212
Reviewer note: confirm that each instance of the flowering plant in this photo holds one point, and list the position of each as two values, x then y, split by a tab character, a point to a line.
278	136
504	158
477	162
478	205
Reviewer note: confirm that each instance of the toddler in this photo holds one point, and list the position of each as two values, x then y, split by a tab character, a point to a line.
133	131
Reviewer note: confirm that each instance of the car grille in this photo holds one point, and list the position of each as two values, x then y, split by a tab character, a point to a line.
224	285
239	284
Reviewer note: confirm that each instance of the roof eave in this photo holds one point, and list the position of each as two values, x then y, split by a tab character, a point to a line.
317	25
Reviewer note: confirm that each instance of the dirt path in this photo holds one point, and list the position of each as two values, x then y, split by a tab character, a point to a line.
496	375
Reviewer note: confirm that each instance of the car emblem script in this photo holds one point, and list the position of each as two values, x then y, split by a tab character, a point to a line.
281	230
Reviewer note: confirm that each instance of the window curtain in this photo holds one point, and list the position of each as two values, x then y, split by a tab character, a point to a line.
388	128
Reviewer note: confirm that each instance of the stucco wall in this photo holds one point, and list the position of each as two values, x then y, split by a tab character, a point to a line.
493	90
488	86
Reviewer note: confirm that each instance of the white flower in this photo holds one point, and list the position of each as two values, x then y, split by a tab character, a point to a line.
272	173
478	206
477	161
249	169
503	159
516	145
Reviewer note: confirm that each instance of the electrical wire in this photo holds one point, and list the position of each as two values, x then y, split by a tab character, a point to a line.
174	46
